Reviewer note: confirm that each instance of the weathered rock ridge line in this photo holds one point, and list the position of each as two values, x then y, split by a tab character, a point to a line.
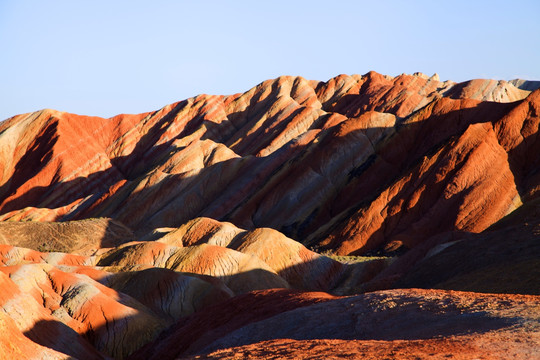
355	164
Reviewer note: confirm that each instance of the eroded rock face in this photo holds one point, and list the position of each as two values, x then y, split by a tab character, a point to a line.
192	229
15	345
240	272
218	321
329	164
136	290
23	303
448	191
89	312
300	267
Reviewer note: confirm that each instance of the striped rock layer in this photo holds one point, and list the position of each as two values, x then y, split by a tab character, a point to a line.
189	230
88	306
357	164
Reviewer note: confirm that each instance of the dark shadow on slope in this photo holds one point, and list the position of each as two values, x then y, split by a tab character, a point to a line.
39	152
417	153
219	320
394	159
82	185
415	321
503	259
234	131
254	142
143	158
325	321
230	129
110	337
58	336
524	160
406	150
146	153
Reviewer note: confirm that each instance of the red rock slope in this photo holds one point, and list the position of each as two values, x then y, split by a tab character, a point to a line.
178	226
356	164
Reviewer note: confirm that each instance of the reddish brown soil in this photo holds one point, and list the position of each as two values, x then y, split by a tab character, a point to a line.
405	323
484	347
217	321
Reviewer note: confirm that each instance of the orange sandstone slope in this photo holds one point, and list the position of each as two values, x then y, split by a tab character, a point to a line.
356	164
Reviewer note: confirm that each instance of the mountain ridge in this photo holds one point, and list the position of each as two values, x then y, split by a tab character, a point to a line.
260	131
222	225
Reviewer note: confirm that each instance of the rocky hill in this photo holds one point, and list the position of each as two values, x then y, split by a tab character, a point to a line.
298	209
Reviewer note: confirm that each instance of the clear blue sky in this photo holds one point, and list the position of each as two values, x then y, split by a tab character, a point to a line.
108	57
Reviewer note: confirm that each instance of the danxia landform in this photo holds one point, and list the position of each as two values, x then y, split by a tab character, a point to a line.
367	216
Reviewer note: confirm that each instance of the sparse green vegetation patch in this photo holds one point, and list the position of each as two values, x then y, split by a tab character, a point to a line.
347	259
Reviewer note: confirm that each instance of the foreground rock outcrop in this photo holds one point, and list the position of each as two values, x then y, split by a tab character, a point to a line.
90	312
137	290
400	323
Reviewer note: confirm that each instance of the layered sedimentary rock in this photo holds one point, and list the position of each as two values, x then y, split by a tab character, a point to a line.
300	267
88	312
138	289
329	164
241	273
199	228
15	345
